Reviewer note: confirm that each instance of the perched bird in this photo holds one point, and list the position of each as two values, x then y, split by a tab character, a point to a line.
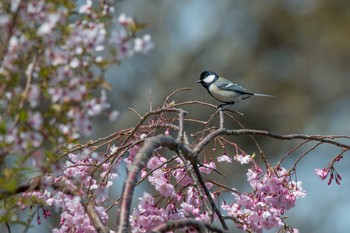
224	90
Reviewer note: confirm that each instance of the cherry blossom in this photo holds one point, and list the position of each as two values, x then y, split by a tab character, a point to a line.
273	193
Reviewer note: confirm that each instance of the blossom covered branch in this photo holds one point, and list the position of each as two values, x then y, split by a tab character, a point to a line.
186	196
278	173
49	93
50	55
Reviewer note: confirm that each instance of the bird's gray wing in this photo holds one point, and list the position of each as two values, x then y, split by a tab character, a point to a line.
233	87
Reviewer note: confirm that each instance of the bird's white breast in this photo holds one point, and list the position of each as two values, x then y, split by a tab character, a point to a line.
224	96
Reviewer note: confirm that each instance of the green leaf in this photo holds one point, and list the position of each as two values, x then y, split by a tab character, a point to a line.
51	156
23	114
2	127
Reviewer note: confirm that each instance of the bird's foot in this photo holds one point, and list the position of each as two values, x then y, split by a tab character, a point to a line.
224	106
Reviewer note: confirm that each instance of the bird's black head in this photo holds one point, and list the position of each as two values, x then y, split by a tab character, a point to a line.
207	78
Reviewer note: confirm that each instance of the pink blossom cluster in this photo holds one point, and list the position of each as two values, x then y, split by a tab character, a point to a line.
73	215
48	63
334	175
54	57
149	214
123	39
330	169
263	208
182	199
43	197
71	187
177	197
52	71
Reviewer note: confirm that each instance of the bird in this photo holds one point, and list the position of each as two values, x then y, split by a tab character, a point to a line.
223	90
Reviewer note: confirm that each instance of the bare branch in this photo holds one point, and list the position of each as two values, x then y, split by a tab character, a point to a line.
173	93
134	111
304	154
221	114
210	198
150	100
144	118
182	113
194	102
238	132
320	138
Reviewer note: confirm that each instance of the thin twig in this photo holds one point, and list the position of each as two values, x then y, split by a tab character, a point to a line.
173	93
304	154
291	151
194	102
150	101
211	200
134	111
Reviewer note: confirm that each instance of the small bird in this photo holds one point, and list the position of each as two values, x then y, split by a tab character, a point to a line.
224	90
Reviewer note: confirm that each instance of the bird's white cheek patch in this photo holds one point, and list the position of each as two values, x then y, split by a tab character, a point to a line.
209	79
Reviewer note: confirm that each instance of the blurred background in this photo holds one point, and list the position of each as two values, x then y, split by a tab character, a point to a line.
296	50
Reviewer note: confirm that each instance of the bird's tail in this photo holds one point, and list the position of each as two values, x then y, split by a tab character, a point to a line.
265	95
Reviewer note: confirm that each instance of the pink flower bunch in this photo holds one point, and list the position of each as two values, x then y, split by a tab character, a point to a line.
330	169
262	209
47	64
160	179
71	187
125	41
51	53
73	215
43	197
150	214
182	204
273	193
147	215
50	91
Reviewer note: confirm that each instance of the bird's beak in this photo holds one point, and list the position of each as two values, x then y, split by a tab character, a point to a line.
198	81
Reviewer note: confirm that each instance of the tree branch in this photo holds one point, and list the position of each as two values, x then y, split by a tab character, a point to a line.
95	218
141	158
207	193
320	138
